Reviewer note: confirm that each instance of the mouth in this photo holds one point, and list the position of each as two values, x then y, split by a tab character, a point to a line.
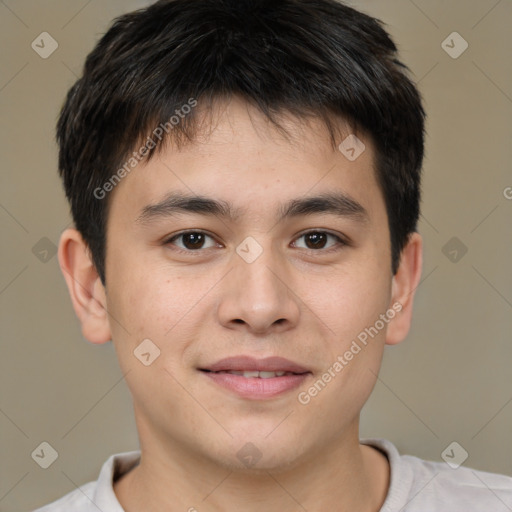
248	374
256	379
248	366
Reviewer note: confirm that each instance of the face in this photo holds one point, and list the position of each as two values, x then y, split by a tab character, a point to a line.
221	292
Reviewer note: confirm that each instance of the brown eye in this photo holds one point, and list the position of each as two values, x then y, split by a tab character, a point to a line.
316	240
191	240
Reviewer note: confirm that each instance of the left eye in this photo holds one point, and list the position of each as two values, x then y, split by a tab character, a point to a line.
318	239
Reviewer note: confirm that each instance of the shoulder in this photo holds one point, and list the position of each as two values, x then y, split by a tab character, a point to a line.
420	485
461	488
99	494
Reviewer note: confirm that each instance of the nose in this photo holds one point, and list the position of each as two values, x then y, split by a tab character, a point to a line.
258	296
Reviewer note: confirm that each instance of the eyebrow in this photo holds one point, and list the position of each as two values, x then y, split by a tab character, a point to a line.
335	203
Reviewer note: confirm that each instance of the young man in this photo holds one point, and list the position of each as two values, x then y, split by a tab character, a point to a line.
244	177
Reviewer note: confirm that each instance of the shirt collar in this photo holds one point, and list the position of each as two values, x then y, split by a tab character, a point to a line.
115	466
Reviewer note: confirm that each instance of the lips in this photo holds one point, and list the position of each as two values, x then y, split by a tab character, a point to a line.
251	367
257	374
256	379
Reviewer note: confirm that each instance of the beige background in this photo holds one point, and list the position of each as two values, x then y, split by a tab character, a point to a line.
450	381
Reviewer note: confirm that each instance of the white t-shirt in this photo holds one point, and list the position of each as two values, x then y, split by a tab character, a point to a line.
416	485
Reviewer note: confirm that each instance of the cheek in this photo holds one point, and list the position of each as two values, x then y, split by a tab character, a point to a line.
141	298
154	302
353	300
352	356
151	308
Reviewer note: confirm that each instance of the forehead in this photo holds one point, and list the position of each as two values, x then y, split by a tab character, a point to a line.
251	167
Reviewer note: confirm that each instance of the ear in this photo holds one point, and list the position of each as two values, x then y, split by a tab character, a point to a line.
85	287
403	288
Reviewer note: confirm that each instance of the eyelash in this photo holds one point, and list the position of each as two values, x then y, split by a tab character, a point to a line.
341	242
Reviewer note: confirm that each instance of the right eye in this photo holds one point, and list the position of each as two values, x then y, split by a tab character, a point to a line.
191	241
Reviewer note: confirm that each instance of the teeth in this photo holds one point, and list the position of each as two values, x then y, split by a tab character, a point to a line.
256	374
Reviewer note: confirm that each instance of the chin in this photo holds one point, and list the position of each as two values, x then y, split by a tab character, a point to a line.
254	454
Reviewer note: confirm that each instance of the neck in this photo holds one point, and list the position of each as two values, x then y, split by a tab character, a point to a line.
343	476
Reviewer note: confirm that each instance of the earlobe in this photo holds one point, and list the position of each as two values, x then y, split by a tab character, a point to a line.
404	285
85	287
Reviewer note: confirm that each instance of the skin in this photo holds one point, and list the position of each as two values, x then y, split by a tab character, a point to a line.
293	301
